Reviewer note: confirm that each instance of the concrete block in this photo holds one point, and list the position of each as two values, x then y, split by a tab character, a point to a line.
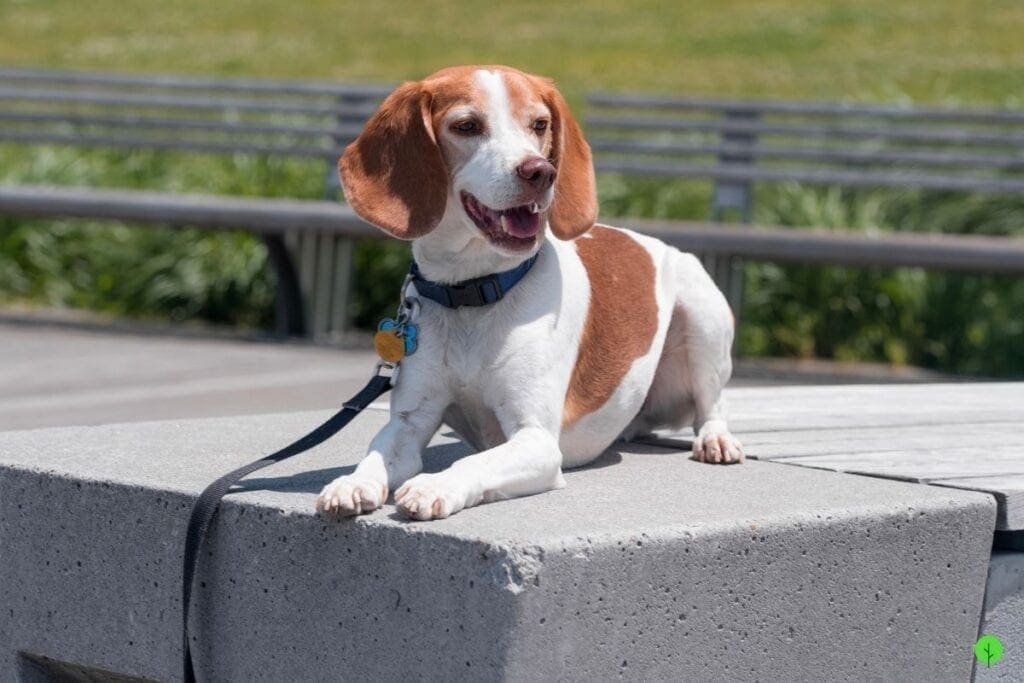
647	566
1004	616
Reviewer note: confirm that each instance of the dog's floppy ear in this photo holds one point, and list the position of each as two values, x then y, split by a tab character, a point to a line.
574	210
393	174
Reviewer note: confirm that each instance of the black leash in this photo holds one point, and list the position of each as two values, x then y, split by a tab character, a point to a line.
206	506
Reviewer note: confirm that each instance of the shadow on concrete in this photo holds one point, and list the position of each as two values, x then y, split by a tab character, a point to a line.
436	458
301	482
656	445
440	457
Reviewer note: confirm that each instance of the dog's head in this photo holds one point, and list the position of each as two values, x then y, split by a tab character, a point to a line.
490	152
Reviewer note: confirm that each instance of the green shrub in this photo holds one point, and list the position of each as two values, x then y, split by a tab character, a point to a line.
958	323
951	322
220	277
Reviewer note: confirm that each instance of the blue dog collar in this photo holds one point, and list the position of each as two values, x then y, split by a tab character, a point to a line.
479	291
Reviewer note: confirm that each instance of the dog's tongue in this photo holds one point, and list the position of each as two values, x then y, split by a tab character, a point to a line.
521	222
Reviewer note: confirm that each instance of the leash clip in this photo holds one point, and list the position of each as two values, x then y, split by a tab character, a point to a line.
386	369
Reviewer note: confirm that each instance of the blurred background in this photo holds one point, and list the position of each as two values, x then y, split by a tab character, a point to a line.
962	53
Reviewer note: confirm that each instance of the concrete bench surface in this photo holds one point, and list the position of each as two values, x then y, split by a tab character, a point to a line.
648	565
965	436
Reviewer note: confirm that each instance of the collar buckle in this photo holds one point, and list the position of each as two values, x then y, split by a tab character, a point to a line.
486	290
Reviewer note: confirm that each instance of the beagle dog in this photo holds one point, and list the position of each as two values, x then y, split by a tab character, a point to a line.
543	337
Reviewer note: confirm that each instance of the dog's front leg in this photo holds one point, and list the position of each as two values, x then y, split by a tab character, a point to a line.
395	454
529	462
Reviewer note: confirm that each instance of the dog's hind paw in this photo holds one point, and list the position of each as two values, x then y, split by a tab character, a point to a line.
351	495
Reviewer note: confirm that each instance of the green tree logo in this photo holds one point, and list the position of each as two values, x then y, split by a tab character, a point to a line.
988	650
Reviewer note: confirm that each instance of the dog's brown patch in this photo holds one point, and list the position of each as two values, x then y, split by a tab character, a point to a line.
621	321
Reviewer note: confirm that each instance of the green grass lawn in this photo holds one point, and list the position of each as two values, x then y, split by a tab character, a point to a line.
957	52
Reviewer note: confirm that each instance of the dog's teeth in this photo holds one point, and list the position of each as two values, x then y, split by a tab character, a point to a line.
534	208
504	223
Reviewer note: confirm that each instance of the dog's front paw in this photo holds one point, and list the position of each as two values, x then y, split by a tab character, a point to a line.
429	496
351	495
715	444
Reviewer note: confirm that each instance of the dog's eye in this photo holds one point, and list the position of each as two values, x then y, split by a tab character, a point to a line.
467	127
540	125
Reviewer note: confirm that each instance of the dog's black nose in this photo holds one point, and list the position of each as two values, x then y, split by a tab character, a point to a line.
538	172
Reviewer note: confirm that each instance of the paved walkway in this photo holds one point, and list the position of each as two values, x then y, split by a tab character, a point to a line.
58	373
53	375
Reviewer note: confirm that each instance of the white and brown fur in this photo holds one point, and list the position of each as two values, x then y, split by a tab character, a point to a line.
611	334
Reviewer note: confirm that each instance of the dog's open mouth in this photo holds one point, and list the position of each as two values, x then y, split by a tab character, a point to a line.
513	228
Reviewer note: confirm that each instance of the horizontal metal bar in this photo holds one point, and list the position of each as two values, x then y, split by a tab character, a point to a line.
164	101
823	154
204	211
871	178
214	146
969	253
660	102
942	135
166	81
129	121
951	252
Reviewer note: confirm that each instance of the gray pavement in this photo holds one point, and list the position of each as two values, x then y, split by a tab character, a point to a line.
58	370
60	374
